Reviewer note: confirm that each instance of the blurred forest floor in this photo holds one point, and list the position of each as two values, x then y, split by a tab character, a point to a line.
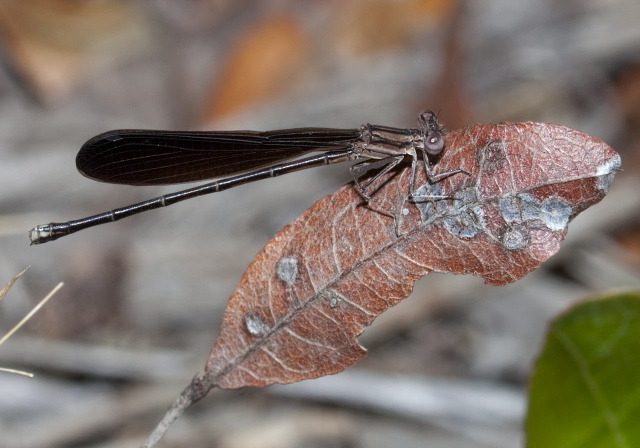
143	298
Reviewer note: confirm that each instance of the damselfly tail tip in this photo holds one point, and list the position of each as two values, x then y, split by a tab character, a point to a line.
40	234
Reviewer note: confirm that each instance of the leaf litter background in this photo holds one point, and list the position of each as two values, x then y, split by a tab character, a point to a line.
144	298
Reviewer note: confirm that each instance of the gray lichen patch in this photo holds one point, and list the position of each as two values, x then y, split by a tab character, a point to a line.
429	208
553	213
519	207
255	325
287	270
331	297
514	237
459	214
466	223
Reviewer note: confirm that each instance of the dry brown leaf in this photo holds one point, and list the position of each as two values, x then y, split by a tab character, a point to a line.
263	63
53	43
366	26
310	292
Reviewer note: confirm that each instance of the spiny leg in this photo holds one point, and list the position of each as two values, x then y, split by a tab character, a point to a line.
431	179
393	161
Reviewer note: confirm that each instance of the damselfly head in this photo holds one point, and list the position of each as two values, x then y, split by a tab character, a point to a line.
432	131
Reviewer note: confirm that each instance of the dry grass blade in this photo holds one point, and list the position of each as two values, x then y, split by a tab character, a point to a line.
5	289
24	320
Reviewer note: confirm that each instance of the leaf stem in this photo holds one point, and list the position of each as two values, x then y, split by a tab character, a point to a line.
198	389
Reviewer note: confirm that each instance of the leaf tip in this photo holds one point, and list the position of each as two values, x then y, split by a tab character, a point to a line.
606	171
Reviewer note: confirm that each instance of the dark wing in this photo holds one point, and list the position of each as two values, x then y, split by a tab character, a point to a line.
142	157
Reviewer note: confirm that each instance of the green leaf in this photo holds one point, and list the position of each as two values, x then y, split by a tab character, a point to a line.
585	390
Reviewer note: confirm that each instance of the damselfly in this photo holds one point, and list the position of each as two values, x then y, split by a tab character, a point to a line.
146	157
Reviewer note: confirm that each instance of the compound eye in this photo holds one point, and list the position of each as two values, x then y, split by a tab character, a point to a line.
425	118
434	143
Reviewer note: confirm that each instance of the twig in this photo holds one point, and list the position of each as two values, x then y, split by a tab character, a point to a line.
198	389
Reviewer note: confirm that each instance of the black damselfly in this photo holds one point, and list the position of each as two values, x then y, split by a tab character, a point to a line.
146	157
